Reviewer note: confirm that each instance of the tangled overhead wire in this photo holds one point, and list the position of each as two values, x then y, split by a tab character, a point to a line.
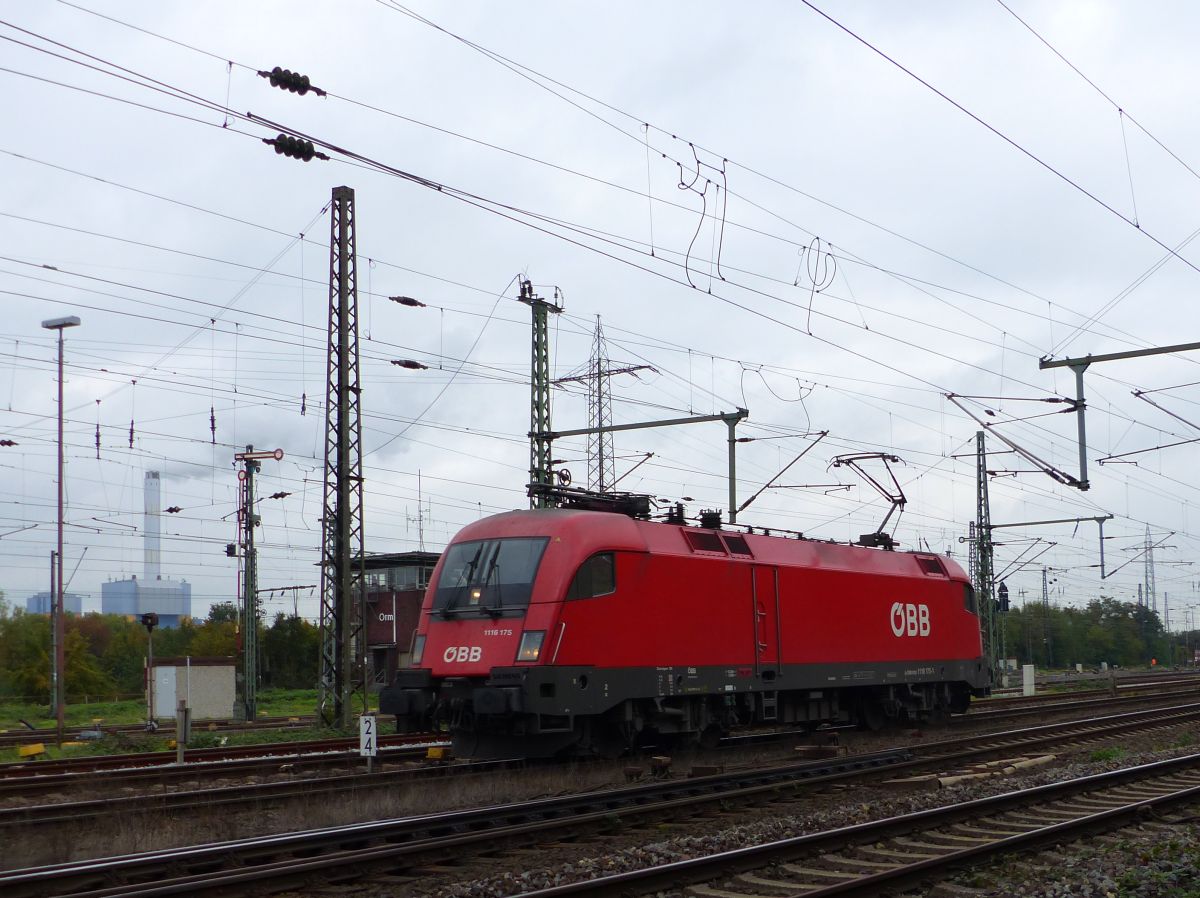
821	268
722	192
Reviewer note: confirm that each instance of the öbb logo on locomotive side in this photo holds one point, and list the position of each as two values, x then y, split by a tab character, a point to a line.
462	653
909	619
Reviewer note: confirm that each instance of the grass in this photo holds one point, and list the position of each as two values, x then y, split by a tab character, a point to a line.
1112	753
271	703
42	717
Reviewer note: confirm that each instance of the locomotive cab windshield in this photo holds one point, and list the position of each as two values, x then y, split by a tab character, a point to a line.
491	577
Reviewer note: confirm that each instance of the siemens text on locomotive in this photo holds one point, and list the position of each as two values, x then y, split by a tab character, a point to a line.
552	630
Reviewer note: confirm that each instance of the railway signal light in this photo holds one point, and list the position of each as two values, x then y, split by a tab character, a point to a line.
231	550
295	147
149	620
286	79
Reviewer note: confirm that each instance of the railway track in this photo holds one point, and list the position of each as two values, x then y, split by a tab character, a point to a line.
153	779
958	750
902	852
156	772
308	751
16	737
1162	684
268	858
344	786
396	847
987	712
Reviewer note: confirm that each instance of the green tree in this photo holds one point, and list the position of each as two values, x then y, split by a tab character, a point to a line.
1106	630
291	648
215	639
124	657
176	642
25	657
82	672
222	612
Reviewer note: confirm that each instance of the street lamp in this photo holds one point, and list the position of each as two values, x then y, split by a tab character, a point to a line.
59	630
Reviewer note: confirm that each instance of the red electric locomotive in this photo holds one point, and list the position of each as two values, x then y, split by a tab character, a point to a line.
549	630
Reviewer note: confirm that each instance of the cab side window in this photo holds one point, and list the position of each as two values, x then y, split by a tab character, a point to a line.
969	601
596	577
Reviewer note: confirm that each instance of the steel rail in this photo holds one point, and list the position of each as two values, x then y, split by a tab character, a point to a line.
141	874
164	774
393	844
988	714
937	754
167	759
242	793
722	865
12	736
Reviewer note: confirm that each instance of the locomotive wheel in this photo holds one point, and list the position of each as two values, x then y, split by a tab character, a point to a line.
608	741
937	717
711	736
871	716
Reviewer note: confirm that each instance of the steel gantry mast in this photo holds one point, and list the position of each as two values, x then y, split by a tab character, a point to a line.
539	396
598	378
246	705
983	556
601	470
343	574
1148	571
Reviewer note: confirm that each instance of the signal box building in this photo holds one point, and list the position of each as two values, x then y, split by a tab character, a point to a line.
395	589
206	684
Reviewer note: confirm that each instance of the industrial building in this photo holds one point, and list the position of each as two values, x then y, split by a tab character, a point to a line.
170	599
41	602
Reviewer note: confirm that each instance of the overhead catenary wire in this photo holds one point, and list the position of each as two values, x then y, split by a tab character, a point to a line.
921	388
526	69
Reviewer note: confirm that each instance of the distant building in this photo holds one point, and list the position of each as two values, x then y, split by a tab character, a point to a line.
39	603
396	585
170	599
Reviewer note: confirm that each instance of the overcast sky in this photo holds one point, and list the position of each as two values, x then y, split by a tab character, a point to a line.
763	206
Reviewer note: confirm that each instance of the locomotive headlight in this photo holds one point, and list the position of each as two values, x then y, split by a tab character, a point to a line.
418	649
531	645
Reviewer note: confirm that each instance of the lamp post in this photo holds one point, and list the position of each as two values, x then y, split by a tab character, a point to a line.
60	324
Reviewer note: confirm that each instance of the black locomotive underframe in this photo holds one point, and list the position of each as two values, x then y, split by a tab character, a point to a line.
565	705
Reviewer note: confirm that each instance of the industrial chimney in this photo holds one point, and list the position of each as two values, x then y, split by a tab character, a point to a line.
152	529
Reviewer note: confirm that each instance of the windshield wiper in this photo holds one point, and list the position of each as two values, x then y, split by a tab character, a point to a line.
465	578
494	569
